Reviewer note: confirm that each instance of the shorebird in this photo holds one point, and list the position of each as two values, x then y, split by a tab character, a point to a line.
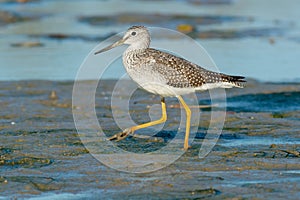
166	75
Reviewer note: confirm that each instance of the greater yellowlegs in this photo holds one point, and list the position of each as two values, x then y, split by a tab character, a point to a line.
166	75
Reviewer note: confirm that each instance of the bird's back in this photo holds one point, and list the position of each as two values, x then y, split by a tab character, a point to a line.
176	72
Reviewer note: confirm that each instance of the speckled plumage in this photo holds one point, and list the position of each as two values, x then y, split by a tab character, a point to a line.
166	74
177	72
149	66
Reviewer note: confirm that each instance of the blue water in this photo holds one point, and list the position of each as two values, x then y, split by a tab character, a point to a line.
272	56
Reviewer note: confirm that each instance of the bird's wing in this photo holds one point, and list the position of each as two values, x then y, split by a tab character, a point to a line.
180	73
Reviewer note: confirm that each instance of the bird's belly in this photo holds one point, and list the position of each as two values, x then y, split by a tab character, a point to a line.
155	83
165	90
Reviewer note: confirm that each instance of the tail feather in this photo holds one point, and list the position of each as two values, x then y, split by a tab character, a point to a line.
238	81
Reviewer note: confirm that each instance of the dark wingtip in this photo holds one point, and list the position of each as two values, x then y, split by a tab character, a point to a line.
236	78
239	78
238	81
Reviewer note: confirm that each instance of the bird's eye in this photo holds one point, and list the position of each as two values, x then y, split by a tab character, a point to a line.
133	33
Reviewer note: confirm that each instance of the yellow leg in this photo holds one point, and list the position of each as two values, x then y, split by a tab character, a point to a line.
131	130
188	122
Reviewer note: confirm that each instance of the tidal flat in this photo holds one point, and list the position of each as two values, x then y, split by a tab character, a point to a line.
256	156
42	155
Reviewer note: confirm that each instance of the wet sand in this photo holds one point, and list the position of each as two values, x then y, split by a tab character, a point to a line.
256	157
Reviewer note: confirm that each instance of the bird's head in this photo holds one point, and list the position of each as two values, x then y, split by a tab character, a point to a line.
137	37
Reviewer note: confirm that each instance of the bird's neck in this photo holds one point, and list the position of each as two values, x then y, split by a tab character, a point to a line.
139	46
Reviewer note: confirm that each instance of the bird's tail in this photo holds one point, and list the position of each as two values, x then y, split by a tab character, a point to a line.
237	81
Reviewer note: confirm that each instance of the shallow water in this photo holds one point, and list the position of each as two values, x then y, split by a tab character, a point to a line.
247	37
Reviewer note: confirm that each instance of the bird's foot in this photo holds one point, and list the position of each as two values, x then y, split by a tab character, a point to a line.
186	147
122	135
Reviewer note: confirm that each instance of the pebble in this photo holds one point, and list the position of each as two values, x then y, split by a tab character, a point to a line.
53	95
